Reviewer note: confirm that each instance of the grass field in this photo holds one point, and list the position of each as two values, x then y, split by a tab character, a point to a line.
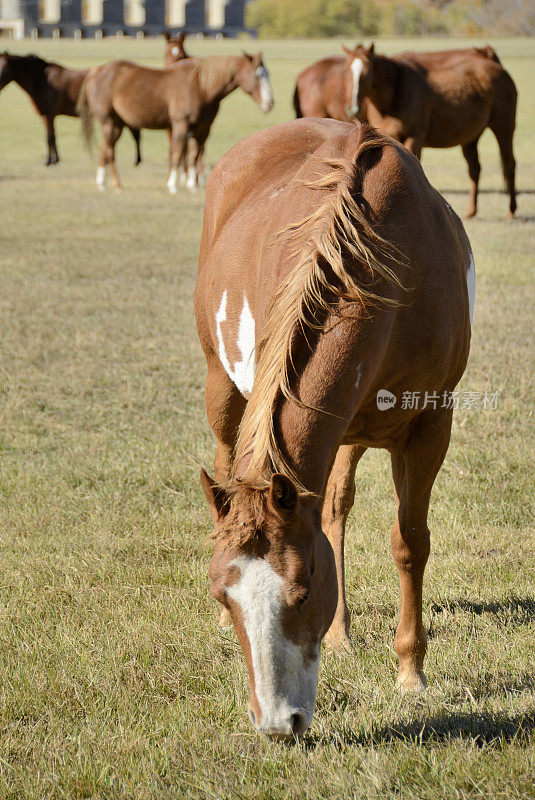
115	681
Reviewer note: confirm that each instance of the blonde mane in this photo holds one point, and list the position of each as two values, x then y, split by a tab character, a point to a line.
214	72
332	232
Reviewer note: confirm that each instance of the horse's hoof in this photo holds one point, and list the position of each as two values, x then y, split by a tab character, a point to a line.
224	619
470	213
411	682
118	189
172	190
510	215
101	187
338	641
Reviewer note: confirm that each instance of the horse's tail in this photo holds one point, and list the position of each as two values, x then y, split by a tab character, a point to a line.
83	109
297	105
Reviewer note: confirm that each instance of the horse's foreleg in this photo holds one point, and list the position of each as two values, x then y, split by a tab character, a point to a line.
178	145
415	468
339	498
474	171
224	409
53	157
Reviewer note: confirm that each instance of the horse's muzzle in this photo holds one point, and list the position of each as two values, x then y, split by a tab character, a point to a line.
351	111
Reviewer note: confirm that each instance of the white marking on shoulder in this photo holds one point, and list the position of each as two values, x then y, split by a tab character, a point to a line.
356	68
283	682
242	374
471	284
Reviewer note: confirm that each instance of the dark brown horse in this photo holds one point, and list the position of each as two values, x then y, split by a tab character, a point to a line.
320	88
184	99
53	89
174	48
332	276
439	107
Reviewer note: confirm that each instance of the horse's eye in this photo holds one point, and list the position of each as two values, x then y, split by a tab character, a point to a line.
302	601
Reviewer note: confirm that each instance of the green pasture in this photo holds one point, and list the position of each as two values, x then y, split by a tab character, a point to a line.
115	681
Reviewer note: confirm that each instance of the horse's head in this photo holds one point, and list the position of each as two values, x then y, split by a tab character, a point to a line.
6	69
174	49
358	76
253	78
273	570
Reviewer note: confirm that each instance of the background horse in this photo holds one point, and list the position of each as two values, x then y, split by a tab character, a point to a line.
174	49
442	107
320	89
184	98
53	89
329	270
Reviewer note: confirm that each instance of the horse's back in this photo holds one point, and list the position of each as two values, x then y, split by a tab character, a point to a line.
264	186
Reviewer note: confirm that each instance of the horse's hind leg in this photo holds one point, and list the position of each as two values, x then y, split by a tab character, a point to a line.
53	157
339	498
111	130
474	171
178	148
136	135
415	468
505	143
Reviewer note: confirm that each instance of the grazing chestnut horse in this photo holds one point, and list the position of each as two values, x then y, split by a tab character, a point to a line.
442	107
53	90
330	271
174	49
320	89
184	98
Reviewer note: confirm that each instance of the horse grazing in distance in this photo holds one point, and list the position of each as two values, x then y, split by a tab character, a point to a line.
330	273
174	48
53	89
184	99
442	107
320	89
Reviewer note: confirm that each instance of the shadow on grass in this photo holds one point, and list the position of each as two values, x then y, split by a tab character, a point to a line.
519	609
482	729
486	191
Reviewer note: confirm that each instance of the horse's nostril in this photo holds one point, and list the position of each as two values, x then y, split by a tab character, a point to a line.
298	724
251	715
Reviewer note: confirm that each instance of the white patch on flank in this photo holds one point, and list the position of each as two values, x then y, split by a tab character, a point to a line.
266	93
471	284
101	178
175	51
356	68
242	375
284	683
191	181
172	181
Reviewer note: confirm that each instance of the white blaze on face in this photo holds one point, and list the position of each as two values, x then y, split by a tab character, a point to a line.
284	683
356	68
242	374
266	93
174	51
471	284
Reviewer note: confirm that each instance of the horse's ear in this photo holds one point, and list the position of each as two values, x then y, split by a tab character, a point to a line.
216	497
347	50
247	55
181	37
282	493
371	49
